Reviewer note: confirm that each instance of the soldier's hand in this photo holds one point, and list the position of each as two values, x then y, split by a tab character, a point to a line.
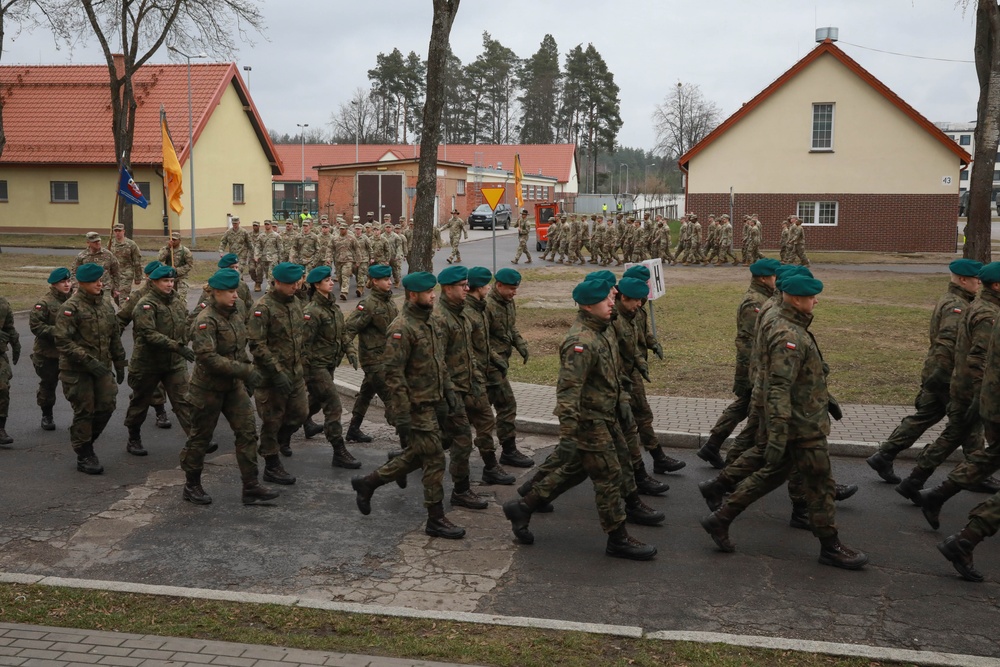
95	367
524	353
774	453
501	364
625	416
120	373
253	380
834	409
4	337
282	383
15	354
186	352
658	350
353	359
402	426
644	372
455	406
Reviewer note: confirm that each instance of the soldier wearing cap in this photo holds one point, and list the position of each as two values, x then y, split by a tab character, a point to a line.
456	231
552	239
289	237
306	247
274	333
523	230
8	336
421	394
91	363
178	256
752	252
222	378
364	257
784	247
345	251
797	242
238	241
129	259
380	247
684	240
267	252
253	266
45	356
159	356
797	422
95	254
935	379
323	242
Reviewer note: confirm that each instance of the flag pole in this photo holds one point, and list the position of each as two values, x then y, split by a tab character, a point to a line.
114	213
166	204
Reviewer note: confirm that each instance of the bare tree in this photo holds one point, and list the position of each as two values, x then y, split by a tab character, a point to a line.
139	28
683	119
423	208
355	120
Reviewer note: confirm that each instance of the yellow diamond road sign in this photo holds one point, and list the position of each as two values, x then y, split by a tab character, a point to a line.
493	196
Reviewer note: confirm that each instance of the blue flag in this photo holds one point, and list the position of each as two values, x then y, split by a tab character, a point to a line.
128	189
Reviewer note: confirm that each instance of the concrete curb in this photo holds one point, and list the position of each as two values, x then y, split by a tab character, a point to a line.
826	648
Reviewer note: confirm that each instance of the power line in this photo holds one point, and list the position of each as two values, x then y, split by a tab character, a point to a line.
908	55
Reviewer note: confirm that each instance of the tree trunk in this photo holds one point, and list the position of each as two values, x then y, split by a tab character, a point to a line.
421	254
987	51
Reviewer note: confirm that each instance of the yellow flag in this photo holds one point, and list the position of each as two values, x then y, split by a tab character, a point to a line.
518	176
171	169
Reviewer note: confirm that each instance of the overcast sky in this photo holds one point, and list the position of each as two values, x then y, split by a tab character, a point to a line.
314	53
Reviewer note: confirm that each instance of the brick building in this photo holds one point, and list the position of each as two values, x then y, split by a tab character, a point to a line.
831	143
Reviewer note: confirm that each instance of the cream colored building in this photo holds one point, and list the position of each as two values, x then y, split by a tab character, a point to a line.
58	172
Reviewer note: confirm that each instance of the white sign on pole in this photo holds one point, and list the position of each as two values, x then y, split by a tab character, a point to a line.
657	288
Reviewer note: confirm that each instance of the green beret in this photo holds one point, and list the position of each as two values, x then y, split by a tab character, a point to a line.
989	274
149	268
319	274
58	275
163	271
604	275
379	271
228	260
764	267
633	288
590	292
225	279
508	277
288	273
452	275
479	276
801	285
89	273
967	268
640	271
419	281
791	270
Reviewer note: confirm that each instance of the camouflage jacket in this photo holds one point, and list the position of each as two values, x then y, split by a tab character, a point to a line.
457	342
183	260
159	329
42	322
88	329
415	370
369	322
726	235
555	232
940	359
456	227
237	241
128	305
380	252
971	346
746	324
274	333
105	258
305	248
523	227
288	240
129	259
475	312
364	252
684	234
219	341
795	235
324	339
7	326
345	249
504	336
797	402
625	327
269	247
783	241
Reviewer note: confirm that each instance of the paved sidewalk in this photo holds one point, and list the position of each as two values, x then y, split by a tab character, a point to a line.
686	422
42	646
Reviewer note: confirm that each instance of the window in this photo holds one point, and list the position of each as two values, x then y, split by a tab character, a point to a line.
822	128
64	192
3	190
996	175
963	175
460	187
818	212
144	189
531	189
965	140
238	194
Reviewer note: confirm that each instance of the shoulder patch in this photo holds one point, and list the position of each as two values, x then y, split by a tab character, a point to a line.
38	306
256	313
790	345
203	305
202	326
397	336
756	310
307	316
361	306
956	310
578	348
68	313
146	306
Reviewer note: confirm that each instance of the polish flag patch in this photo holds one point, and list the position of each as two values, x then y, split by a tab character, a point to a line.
756	310
790	346
397	336
256	313
146	306
578	348
68	313
38	306
202	326
956	310
361	306
307	317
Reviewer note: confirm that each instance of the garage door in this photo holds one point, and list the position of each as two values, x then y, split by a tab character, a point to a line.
380	193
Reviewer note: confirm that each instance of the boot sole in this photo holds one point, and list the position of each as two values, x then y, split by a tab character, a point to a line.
164	424
286	481
517	463
350	465
469	506
630	555
447	536
50	427
501	481
710	458
254	500
965	573
137	452
843	566
90	471
197	502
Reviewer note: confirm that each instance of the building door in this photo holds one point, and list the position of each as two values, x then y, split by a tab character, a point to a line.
380	193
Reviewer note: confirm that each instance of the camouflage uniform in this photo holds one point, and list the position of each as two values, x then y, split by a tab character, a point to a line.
242	292
45	356
784	247
129	265
523	230
267	252
752	252
8	336
597	249
481	413
696	248
395	254
456	229
726	242
105	258
323	243
565	239
289	238
628	242
369	321
345	251
501	315
380	249
364	260
183	261
575	240
253	265
240	243
684	241
710	243
552	240
306	250
797	245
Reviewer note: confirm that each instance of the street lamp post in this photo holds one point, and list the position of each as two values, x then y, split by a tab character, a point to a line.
626	177
248	69
357	133
190	131
302	134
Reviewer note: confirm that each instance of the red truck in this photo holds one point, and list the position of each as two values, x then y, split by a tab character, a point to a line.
543	215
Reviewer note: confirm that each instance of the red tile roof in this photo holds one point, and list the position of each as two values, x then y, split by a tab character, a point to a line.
829	47
61	114
555	160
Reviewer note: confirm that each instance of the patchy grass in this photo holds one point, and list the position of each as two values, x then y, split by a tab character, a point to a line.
207	242
374	635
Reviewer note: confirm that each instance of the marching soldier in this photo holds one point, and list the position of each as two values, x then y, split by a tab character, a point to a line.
345	251
364	258
267	252
456	231
180	258
227	261
797	242
523	230
8	336
288	239
238	241
726	242
129	259
45	356
306	246
95	254
253	266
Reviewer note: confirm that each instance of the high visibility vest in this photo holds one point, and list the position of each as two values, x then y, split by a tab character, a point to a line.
619	206
604	208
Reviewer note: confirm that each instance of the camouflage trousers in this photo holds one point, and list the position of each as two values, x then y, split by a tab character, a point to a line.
626	449
47	370
455	255
344	272
984	519
642	414
235	405
522	249
423	451
665	254
360	276
734	413
931	408
748	436
959	432
281	414
145	387
5	377
811	460
373	383
797	255
457	434
752	253
981	463
726	254
264	267
93	401
477	406
563	249
253	268
396	265
502	399
323	396
436	240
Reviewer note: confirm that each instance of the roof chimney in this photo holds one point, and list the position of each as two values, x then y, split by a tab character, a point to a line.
119	60
823	34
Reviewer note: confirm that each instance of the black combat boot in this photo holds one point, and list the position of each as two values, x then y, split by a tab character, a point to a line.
134	444
623	545
462	496
800	516
254	492
544	507
844	491
958	549
910	487
311	428
275	473
193	493
86	461
714	492
438	524
519	512
284	443
833	552
364	486
646	484
48	424
401	480
663	464
4	438
709	452
989	485
162	421
354	432
881	463
716	525
639	512
512	456
343	458
493	473
932	500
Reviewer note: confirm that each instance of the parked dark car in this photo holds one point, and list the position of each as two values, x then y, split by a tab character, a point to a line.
483	216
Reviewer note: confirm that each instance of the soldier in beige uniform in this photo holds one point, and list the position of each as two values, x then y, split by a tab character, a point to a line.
95	254
129	259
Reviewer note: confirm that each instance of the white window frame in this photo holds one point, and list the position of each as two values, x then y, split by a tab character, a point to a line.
64	191
812	220
812	128
239	188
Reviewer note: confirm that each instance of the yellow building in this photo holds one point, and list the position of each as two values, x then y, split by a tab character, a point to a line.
58	172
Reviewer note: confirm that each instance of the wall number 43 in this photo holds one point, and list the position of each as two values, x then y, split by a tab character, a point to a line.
946	180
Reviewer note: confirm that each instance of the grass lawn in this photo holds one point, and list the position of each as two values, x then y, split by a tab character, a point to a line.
373	635
207	242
